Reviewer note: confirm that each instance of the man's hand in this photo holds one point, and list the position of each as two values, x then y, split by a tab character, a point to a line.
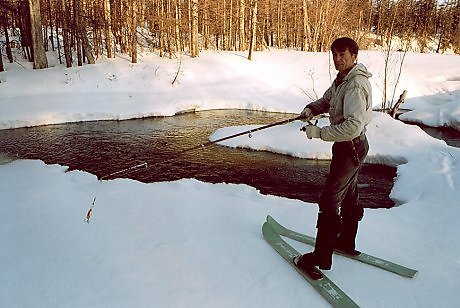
306	114
313	131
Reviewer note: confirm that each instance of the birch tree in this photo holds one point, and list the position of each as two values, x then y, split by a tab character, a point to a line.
241	34
194	29
108	28
92	27
133	32
306	33
39	54
253	28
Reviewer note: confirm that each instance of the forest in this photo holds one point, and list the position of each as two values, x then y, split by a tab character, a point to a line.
84	30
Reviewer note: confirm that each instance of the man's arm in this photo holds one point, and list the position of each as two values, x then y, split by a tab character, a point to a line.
355	116
321	105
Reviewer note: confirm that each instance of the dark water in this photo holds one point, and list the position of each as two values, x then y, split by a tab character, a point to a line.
450	135
103	147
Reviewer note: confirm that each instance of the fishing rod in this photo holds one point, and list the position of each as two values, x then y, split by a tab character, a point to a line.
200	146
249	132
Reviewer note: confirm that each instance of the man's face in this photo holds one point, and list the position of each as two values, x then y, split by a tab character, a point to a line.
343	60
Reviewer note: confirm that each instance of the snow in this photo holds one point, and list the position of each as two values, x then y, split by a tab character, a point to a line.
280	81
187	243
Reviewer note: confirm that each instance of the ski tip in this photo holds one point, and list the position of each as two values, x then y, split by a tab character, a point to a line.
267	230
272	221
264	227
275	224
413	274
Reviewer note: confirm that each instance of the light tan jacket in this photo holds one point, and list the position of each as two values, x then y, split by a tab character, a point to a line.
349	105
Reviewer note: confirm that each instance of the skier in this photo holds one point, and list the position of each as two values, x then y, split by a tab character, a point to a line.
349	104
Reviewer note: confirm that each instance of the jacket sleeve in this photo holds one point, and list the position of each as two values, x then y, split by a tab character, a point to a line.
321	105
355	115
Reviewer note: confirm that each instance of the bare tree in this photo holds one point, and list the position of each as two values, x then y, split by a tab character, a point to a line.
64	18
194	28
177	28
306	31
394	56
40	60
1	61
388	41
241	20
89	28
108	28
133	32
253	28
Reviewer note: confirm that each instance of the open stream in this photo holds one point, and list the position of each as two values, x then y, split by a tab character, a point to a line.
104	147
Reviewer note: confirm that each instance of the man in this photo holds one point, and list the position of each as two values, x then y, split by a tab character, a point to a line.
349	104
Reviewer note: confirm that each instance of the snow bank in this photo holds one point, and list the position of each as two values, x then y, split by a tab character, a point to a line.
279	81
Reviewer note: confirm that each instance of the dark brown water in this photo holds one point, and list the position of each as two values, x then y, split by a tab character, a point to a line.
103	147
450	135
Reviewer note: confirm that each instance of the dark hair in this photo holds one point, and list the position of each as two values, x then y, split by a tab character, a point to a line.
344	43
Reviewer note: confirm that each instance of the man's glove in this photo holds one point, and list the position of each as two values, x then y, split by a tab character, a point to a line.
313	131
306	114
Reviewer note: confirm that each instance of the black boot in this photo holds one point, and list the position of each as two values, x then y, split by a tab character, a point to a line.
346	241
328	228
307	265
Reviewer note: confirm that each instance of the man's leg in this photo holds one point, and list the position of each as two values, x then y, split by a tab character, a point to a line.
343	171
351	213
351	210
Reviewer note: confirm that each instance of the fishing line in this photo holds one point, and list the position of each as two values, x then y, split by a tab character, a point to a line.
89	213
137	167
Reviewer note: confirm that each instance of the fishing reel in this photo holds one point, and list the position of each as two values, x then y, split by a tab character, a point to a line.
304	128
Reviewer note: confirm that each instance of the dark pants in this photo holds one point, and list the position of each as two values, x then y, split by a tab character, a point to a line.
339	209
340	195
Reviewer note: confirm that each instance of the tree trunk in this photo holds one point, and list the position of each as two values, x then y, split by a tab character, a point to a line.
231	45
278	24
88	50
177	32
400	101
205	28
75	26
66	33
40	60
133	32
57	40
108	28
79	52
242	44
224	25
50	17
253	28
1	62
194	21
306	35
9	54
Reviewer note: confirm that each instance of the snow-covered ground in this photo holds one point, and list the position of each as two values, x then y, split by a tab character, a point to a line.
280	81
187	243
